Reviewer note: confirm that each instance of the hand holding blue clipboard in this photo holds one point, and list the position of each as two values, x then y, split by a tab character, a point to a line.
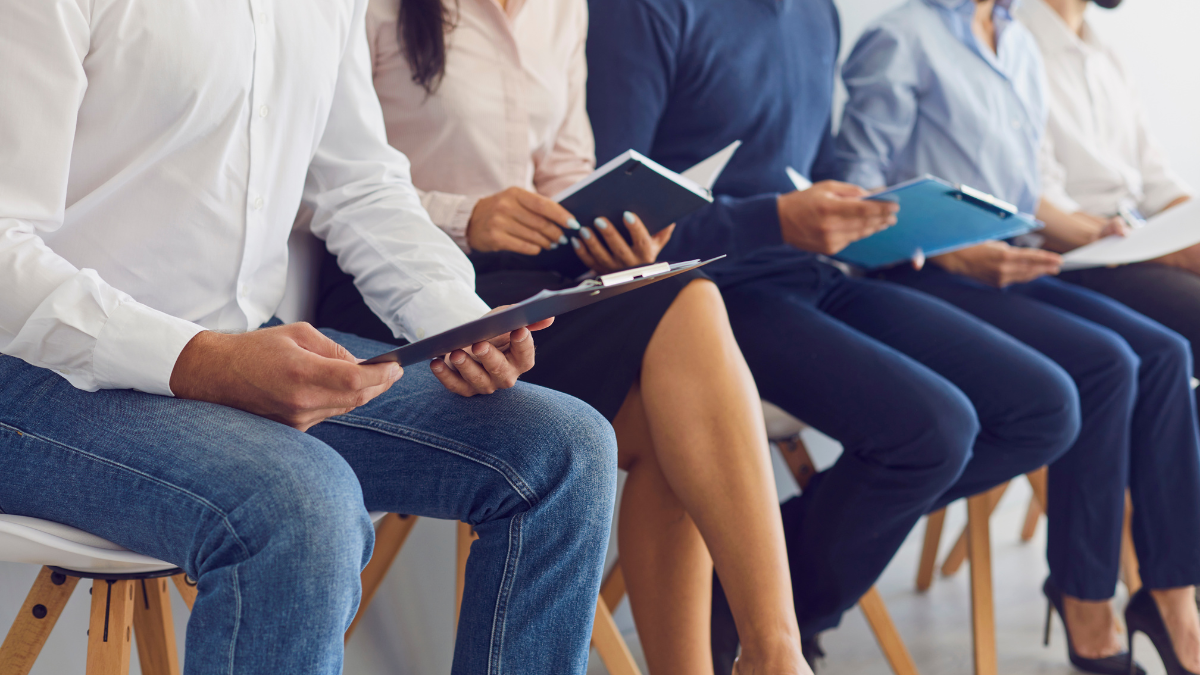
936	217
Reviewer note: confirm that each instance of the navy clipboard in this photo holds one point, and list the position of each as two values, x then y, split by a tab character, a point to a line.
936	217
633	182
537	308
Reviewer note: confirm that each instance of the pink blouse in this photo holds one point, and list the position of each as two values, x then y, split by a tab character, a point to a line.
510	110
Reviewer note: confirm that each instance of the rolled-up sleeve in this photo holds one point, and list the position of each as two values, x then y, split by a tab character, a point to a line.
52	314
411	274
881	77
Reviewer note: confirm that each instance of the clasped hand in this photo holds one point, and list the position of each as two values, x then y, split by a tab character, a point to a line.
997	264
297	376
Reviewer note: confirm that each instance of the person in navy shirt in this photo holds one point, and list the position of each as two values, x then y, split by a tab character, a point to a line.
929	403
956	88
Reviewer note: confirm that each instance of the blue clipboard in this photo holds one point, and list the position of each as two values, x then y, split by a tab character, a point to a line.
936	217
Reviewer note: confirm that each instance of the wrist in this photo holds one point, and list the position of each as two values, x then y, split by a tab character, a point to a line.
186	379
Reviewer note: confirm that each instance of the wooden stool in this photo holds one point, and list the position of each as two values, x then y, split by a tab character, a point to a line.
129	593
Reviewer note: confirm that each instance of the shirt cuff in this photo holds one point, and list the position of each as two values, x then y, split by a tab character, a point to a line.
757	219
1063	203
867	176
138	347
437	308
1157	198
452	214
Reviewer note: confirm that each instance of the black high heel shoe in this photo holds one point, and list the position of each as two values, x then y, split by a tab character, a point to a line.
1117	664
1142	615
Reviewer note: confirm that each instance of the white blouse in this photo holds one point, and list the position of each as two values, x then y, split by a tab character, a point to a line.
1098	151
154	155
510	110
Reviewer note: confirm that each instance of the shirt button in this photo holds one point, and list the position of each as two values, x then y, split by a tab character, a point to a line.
263	111
420	333
262	18
1016	124
258	203
242	291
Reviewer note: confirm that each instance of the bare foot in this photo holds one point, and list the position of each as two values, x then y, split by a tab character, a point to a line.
1178	609
1093	626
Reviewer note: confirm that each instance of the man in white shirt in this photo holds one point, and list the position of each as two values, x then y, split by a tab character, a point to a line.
1100	160
154	156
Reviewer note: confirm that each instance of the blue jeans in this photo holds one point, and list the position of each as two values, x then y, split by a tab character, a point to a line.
929	404
273	522
1139	429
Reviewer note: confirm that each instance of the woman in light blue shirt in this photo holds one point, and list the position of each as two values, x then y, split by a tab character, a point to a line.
955	88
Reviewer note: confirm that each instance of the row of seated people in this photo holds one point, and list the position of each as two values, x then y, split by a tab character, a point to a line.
160	157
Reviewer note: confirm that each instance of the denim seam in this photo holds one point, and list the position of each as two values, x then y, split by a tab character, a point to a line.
499	617
154	479
444	444
237	618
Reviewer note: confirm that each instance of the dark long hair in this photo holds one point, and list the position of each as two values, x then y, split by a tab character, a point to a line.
422	31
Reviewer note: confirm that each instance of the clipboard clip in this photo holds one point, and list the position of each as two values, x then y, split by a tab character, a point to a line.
985	201
634	274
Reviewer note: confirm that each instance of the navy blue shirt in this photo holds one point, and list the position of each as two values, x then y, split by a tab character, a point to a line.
678	80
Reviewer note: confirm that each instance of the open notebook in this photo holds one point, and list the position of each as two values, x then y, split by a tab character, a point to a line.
633	182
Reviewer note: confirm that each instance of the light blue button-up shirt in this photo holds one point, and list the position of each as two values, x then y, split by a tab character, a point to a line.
925	96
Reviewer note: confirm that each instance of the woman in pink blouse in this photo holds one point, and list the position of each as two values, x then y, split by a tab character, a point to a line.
487	101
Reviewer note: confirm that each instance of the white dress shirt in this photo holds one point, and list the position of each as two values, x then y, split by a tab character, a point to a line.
510	110
1098	151
154	155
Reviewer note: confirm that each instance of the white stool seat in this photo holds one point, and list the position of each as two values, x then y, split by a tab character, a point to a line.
780	425
41	542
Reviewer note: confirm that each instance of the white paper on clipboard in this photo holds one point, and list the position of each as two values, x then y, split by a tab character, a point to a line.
1172	230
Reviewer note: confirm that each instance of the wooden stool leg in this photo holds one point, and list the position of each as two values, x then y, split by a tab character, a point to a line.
1037	503
110	628
610	645
1130	573
885	631
466	535
983	615
613	588
155	628
958	554
929	549
186	588
1033	513
33	624
389	538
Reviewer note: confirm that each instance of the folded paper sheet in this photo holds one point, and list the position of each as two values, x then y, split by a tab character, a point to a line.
1170	231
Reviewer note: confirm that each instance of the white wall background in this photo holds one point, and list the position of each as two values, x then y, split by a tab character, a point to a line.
409	629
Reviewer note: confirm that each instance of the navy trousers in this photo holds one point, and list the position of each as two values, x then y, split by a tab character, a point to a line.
1139	428
929	403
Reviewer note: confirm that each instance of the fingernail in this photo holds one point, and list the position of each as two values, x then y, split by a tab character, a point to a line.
459	361
629	218
573	224
600	224
562	239
553	246
524	337
575	242
481	349
585	233
437	366
394	372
